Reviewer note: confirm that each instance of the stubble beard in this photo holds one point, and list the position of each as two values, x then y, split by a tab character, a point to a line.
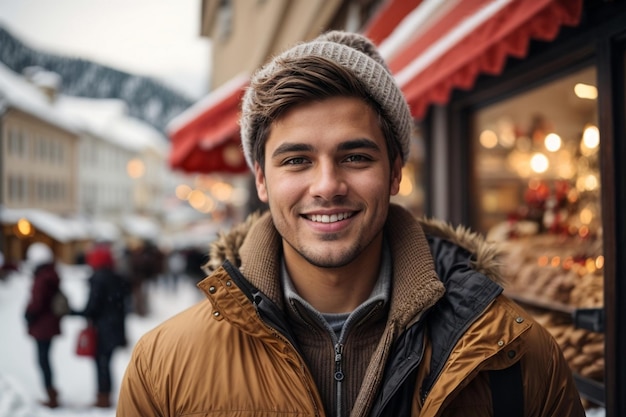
337	259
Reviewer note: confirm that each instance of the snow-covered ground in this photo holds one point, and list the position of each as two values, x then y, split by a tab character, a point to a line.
75	377
20	381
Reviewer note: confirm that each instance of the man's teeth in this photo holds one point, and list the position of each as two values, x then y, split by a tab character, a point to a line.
325	218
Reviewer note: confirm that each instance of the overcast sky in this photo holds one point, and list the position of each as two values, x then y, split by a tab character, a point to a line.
156	38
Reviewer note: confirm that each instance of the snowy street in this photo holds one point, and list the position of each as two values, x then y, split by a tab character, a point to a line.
20	380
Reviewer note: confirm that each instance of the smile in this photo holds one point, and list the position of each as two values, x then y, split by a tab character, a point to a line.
326	218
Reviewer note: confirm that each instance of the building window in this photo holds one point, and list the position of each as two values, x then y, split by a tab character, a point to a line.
12	142
538	187
537	157
17	188
225	20
16	142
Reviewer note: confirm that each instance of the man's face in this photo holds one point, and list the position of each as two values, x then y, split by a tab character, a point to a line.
327	181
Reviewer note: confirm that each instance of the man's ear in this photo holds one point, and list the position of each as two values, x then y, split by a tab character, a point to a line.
396	176
259	180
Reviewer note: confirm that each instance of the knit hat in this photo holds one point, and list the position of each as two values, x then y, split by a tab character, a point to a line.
100	257
39	253
355	53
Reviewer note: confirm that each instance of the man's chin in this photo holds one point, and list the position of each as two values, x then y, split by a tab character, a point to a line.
329	259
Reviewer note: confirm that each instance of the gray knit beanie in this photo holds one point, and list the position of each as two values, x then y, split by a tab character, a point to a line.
358	55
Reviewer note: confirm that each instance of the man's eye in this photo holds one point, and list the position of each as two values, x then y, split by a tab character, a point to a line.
357	158
295	161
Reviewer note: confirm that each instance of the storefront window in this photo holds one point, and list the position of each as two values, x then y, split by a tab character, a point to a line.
538	181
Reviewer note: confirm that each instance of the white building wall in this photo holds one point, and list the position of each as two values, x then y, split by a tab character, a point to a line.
104	184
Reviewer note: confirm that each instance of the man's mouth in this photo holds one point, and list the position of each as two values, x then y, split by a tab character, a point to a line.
329	218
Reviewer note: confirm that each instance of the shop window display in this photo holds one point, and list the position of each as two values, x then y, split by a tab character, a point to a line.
538	178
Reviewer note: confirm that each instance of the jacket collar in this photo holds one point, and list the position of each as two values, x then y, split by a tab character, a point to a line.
416	286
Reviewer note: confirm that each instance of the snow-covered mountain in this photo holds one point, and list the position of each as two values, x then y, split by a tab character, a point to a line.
146	98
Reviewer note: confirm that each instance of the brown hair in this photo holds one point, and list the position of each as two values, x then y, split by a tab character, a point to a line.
303	80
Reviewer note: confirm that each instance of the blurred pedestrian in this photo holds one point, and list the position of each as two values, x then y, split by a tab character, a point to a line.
2	274
6	267
195	259
176	265
146	264
43	323
106	309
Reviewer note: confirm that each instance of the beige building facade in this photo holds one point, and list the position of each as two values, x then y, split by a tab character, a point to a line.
39	164
38	169
72	169
246	33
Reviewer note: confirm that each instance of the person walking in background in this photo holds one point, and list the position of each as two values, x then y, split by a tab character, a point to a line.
194	260
176	265
2	273
336	302
43	323
106	309
146	264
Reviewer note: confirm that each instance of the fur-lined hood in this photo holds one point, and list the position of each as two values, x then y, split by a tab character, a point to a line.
486	255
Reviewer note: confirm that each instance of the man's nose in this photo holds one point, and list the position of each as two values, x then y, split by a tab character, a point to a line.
328	181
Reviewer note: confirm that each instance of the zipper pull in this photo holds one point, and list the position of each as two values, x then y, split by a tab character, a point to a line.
338	356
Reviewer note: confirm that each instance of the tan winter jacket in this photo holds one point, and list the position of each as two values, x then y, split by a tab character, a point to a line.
448	325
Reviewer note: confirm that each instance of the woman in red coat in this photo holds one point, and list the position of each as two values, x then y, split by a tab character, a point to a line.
43	324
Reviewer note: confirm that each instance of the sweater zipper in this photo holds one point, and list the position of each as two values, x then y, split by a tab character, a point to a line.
339	376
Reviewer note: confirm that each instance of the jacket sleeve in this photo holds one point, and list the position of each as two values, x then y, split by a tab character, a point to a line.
550	387
137	396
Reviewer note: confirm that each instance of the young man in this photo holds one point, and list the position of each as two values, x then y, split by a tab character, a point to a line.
336	302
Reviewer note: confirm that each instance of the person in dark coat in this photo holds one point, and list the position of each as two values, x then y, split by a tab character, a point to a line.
42	323
146	264
106	309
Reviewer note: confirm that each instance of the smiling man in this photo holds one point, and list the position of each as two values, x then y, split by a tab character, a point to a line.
336	302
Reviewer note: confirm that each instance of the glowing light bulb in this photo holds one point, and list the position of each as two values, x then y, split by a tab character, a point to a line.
586	91
182	191
552	142
488	139
539	163
591	137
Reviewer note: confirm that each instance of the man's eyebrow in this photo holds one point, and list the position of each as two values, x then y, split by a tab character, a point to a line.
358	144
289	147
361	143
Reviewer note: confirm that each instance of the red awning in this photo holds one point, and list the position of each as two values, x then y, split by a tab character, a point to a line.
387	18
205	138
448	44
431	47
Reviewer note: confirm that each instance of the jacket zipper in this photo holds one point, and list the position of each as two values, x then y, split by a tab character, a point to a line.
339	376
